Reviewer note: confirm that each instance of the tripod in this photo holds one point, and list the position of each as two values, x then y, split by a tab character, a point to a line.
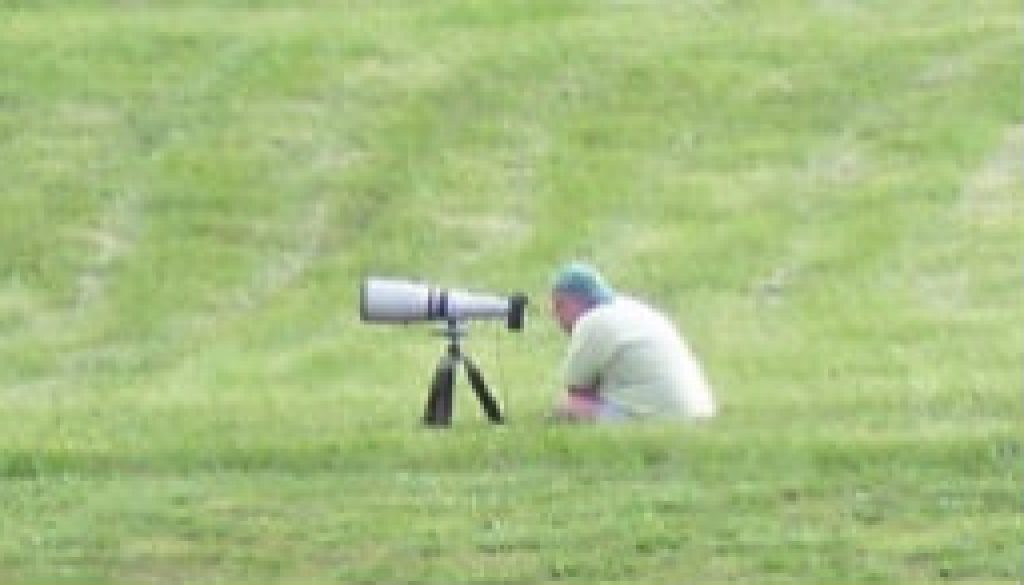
438	412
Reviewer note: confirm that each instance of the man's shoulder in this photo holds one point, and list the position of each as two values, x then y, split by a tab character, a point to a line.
629	318
627	309
606	312
621	313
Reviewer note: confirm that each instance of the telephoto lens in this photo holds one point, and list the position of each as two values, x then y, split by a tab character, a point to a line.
392	300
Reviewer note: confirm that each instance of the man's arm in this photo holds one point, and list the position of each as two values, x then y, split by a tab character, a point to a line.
587	358
579	404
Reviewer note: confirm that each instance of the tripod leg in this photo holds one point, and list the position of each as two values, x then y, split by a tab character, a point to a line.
487	401
439	403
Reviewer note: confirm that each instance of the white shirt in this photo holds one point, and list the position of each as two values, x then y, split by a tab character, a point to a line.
637	361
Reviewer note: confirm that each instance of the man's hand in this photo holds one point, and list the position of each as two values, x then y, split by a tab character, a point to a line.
580	405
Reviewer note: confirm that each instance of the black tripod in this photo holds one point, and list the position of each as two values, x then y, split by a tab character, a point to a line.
438	412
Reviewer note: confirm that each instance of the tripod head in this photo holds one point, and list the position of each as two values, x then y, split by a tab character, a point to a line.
453	330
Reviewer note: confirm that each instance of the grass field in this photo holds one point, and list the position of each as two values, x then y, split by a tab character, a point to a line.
826	195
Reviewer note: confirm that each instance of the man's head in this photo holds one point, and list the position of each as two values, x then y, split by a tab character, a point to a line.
576	289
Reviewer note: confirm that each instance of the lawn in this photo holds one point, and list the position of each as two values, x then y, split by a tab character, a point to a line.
826	195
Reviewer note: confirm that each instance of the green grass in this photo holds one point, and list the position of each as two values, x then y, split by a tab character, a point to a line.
826	195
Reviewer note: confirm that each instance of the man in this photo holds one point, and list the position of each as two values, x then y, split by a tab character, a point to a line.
625	360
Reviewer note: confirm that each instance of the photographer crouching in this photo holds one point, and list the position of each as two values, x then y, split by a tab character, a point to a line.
625	359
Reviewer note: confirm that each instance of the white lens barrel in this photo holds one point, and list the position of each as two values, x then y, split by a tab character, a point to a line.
468	305
391	300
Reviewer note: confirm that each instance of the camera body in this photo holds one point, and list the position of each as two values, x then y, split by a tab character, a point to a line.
394	300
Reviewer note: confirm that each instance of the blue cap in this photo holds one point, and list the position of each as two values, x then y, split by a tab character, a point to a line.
584	280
